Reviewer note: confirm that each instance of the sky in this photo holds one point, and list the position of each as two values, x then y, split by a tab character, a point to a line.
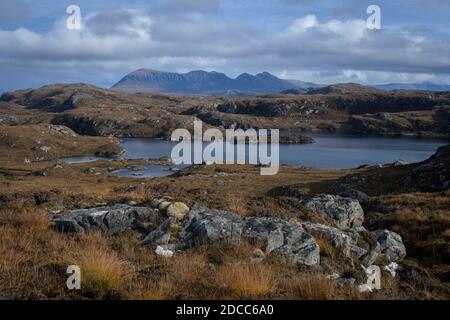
311	40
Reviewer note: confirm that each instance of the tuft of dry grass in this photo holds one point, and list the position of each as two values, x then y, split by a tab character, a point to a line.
102	270
31	221
314	287
236	203
27	251
182	277
245	281
14	250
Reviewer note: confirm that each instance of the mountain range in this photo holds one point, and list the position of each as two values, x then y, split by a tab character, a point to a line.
202	82
427	86
218	84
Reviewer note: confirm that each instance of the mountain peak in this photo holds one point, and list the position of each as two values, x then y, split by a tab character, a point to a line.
200	82
266	75
244	75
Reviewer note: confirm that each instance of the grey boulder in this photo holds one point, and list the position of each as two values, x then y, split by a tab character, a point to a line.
346	212
279	236
284	237
346	242
159	236
391	245
211	226
336	237
109	220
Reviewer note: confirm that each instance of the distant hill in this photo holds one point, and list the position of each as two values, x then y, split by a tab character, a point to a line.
89	110
207	83
342	88
294	91
427	86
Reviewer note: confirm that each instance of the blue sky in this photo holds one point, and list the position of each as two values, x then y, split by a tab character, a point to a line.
311	40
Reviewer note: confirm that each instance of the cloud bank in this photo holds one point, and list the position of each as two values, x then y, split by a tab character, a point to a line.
112	43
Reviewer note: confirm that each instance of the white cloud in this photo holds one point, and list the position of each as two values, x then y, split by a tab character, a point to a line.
118	42
303	24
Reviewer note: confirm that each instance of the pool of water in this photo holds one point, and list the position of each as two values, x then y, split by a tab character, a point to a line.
330	151
151	171
72	160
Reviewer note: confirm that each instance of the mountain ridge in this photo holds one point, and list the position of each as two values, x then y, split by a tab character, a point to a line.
200	82
423	86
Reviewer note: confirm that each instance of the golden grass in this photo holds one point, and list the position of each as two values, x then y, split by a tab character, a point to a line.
236	203
33	258
102	270
245	281
32	221
312	287
14	249
26	248
180	277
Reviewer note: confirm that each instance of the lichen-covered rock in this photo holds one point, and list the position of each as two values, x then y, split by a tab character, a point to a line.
284	237
391	245
163	205
159	236
211	226
109	220
347	242
347	212
177	210
372	247
266	230
371	254
336	237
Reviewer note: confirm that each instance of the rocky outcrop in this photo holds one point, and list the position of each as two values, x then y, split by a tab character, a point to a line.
337	238
109	220
177	210
248	107
284	237
8	120
211	227
181	230
391	245
347	212
429	123
358	245
160	236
